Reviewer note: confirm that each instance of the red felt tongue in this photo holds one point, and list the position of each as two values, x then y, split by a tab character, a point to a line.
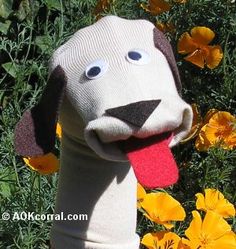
152	160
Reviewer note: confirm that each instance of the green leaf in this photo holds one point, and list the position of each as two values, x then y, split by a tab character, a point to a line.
53	4
43	42
24	10
5	189
5	26
11	68
7	179
5	8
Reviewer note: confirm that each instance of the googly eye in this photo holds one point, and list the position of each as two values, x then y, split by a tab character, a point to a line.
138	57
96	69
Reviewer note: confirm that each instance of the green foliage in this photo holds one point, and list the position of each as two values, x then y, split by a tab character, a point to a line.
31	30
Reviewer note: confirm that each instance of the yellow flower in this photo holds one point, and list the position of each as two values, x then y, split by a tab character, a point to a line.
209	115
161	240
183	246
45	164
198	122
162	209
59	130
156	7
196	45
211	233
201	143
141	193
214	200
220	130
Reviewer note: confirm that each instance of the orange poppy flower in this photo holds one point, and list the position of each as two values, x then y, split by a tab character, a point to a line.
162	240
59	130
162	209
45	164
220	130
215	201
183	246
202	143
209	115
196	45
156	7
198	122
141	193
213	232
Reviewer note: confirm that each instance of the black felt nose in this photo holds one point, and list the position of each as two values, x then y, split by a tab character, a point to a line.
135	113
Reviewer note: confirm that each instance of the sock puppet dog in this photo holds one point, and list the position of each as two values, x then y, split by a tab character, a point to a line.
116	89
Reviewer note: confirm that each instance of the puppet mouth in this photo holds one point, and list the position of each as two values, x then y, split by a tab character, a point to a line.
151	160
150	157
147	148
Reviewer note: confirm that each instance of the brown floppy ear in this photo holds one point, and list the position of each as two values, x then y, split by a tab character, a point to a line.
36	131
164	46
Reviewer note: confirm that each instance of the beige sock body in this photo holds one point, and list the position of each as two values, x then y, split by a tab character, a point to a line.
105	191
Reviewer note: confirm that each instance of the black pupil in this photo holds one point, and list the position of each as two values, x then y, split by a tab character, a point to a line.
134	55
93	71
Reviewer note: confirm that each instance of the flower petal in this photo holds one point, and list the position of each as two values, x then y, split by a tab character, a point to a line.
200	203
177	213
214	56
227	241
202	35
59	130
182	245
141	193
222	118
230	141
186	44
162	209
45	164
214	226
149	240
161	240
170	239
202	143
212	196
209	114
197	58
194	229
189	244
214	200
225	209
156	7
221	129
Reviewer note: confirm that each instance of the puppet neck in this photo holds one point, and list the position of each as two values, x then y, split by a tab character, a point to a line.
103	192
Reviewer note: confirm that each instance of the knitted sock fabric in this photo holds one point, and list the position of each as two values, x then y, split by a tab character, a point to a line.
107	44
104	187
105	191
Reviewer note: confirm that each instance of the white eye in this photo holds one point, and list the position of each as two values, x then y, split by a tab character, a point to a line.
138	57
96	69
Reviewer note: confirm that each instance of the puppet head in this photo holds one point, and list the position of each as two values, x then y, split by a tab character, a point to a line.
116	86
